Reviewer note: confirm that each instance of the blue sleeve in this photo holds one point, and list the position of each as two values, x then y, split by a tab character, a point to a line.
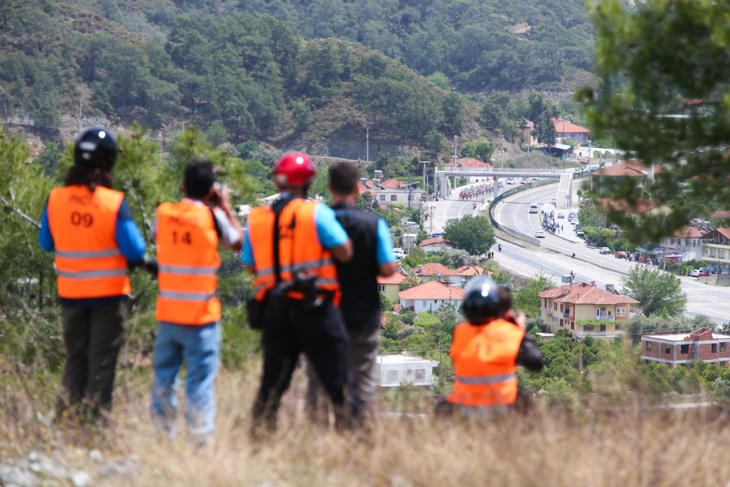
45	239
128	236
247	252
384	252
329	231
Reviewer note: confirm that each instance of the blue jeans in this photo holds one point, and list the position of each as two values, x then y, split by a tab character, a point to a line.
199	348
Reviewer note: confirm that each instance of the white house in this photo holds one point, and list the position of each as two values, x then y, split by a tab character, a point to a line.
430	296
395	370
441	273
687	240
435	243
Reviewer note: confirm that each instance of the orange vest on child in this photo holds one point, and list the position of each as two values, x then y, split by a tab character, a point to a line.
187	255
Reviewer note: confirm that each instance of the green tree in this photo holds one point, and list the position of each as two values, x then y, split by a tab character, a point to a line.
471	233
480	149
657	291
527	298
664	71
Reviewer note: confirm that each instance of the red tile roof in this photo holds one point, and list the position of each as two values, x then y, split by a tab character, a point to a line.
628	168
468	162
688	232
396	278
583	293
470	270
527	125
639	207
432	290
433	269
434	240
569	128
391	183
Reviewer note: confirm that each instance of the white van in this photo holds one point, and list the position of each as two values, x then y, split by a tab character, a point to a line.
398	252
533	208
412	224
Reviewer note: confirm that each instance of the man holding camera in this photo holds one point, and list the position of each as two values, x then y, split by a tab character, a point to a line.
188	309
290	247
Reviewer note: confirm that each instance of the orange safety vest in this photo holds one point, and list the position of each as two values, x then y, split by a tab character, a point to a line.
299	248
187	256
88	261
485	363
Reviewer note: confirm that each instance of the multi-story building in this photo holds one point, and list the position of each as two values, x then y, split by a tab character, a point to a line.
687	241
390	286
585	310
682	348
716	249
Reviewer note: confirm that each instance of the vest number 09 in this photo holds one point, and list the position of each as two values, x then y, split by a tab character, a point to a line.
83	219
184	238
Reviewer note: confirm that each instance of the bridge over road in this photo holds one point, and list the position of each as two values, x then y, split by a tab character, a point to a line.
446	179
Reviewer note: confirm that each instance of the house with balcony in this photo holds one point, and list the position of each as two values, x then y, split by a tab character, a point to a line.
585	310
686	241
682	348
716	249
430	296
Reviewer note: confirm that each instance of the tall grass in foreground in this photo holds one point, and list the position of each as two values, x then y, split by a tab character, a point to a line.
631	445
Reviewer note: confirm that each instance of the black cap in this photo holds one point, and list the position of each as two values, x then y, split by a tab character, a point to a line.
96	149
481	300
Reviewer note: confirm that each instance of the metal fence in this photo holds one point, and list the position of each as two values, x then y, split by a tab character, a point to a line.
527	238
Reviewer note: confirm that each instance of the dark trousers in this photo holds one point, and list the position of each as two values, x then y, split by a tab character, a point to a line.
288	331
93	337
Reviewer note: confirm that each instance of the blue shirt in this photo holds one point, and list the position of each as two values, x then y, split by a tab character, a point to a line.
129	239
329	233
384	251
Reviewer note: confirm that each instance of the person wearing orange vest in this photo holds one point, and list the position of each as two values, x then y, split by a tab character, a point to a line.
487	350
188	313
290	247
90	228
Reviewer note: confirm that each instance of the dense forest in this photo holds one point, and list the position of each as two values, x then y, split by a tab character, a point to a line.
245	71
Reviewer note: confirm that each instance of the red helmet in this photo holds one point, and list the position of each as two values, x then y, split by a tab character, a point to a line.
293	169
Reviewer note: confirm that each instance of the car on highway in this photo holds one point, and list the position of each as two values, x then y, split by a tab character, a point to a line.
534	208
510	181
604	250
539	234
561	214
524	181
579	233
534	178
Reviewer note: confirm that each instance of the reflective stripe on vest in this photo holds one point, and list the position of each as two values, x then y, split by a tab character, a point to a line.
487	379
187	255
485	364
82	224
299	248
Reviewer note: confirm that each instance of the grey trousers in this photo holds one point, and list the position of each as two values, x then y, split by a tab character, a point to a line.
364	345
93	337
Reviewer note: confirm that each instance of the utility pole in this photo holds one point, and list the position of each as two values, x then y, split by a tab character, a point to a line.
590	173
456	137
502	151
367	146
80	106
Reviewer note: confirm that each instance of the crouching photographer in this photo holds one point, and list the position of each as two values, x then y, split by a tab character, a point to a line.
486	351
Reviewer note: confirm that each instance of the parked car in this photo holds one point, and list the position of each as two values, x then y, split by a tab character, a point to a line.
584	161
704	272
620	254
580	233
694	272
539	234
604	250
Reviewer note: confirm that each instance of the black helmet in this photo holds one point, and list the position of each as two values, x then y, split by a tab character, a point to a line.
481	300
96	149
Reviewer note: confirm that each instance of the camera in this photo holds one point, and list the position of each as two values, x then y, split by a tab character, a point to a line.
303	284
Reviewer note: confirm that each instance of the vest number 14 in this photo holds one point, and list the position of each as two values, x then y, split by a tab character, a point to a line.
184	238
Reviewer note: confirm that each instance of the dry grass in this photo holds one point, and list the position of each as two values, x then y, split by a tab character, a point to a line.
633	446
